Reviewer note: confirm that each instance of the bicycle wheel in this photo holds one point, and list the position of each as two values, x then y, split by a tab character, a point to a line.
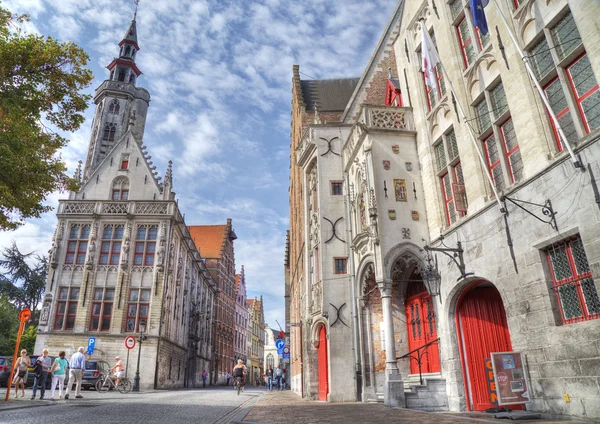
124	386
103	385
239	386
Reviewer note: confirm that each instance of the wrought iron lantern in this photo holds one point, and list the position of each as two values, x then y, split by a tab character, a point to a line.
431	276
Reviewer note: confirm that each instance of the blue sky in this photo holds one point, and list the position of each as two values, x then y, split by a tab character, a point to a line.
219	73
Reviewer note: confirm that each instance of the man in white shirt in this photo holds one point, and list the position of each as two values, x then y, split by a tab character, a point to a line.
118	369
76	369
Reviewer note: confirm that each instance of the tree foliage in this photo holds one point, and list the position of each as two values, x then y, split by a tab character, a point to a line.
21	283
9	317
41	81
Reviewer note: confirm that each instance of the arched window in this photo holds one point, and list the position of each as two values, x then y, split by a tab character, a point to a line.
270	360
114	107
122	74
127	50
120	189
109	132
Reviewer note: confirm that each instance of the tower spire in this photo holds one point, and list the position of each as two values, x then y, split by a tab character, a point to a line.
137	2
123	68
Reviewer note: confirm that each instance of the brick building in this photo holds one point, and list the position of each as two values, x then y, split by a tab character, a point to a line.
215	243
122	258
241	318
413	177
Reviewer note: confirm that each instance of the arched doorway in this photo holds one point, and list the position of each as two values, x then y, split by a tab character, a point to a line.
420	323
323	372
482	329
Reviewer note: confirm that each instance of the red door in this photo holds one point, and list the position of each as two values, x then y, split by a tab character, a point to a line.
323	367
420	321
482	329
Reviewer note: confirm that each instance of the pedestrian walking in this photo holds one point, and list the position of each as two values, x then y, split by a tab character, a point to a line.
42	368
21	369
59	370
76	369
279	377
204	376
228	377
270	378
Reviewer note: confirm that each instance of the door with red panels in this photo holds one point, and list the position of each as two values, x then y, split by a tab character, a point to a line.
323	372
482	329
420	321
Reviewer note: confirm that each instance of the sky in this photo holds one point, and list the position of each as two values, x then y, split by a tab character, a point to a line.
219	73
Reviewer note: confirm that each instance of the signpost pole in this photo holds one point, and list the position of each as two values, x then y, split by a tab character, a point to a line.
127	363
24	316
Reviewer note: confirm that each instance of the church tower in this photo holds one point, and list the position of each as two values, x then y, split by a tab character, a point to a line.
120	105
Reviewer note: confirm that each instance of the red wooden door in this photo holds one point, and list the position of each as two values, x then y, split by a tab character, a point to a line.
482	329
420	320
323	366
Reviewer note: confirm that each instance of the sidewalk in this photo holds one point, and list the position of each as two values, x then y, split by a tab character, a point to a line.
288	407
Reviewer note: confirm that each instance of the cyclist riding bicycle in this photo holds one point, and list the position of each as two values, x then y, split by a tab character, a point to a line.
119	370
240	371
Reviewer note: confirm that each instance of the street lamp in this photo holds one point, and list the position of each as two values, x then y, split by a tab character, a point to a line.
431	276
136	379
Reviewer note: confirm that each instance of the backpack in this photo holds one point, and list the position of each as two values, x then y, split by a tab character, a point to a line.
278	372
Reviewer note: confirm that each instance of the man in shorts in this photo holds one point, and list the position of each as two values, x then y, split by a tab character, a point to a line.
118	369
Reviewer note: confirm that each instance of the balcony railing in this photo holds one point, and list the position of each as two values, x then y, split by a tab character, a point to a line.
79	207
378	118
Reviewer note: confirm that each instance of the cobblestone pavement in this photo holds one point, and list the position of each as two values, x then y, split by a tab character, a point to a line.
218	405
287	407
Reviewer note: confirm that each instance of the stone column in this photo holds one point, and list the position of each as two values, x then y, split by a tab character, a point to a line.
393	387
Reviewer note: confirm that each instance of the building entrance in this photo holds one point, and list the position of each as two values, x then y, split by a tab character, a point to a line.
323	366
420	322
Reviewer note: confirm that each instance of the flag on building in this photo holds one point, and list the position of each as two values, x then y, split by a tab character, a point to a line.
479	15
429	60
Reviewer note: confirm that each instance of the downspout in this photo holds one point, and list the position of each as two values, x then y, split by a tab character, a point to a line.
355	340
167	255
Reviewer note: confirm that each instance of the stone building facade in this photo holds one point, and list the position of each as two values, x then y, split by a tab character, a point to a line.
241	318
122	255
215	243
256	340
413	177
271	357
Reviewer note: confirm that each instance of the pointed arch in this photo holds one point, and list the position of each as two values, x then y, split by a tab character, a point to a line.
109	132
114	107
120	188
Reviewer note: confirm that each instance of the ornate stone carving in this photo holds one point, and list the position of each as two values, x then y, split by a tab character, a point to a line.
91	253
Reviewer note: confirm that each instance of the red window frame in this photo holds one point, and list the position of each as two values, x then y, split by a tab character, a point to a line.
559	115
67	302
574	279
508	153
516	3
110	252
460	213
76	248
138	306
580	98
447	199
118	194
335	265
465	44
102	316
145	249
491	165
124	164
341	187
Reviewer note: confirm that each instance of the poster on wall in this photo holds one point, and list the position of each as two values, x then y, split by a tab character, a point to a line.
400	190
511	385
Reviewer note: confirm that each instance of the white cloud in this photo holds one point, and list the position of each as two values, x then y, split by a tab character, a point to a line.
68	27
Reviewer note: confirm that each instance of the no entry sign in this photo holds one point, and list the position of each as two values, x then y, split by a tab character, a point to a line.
129	342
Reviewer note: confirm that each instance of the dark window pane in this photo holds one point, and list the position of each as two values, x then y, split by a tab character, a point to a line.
131	325
103	259
96	308
131	310
59	322
560	263
152	233
85	232
70	323
107	234
61	308
143	311
145	295
569	301
109	294
94	323
98	294
72	308
118	232
590	294
63	293
566	36
141	233
74	293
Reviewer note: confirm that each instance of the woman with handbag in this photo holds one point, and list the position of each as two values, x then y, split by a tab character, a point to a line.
21	367
58	374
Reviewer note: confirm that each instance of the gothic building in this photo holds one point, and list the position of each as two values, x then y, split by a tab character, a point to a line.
122	258
241	318
256	340
215	243
480	173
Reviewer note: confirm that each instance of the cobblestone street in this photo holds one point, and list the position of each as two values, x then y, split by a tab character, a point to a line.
214	405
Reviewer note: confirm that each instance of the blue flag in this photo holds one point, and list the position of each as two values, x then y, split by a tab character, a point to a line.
479	15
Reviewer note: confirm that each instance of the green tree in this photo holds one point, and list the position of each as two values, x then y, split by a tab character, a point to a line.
23	284
41	81
9	317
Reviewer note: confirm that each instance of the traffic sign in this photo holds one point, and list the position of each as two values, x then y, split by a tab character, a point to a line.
286	356
91	345
24	315
279	343
286	350
129	342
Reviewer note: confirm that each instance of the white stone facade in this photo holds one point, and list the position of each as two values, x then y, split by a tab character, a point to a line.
122	255
397	163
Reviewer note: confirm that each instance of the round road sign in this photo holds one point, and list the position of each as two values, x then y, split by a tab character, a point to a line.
286	350
130	342
24	315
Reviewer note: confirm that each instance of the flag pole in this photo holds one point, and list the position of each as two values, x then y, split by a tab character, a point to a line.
464	117
563	138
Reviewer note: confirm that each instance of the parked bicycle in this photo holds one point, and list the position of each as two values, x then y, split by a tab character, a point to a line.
105	383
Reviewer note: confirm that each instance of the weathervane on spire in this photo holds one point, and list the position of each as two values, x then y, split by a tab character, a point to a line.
137	2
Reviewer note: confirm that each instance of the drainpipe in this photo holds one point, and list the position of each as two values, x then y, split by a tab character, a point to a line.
355	339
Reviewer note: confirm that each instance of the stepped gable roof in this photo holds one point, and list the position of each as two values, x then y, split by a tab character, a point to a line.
209	239
328	94
238	278
250	303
